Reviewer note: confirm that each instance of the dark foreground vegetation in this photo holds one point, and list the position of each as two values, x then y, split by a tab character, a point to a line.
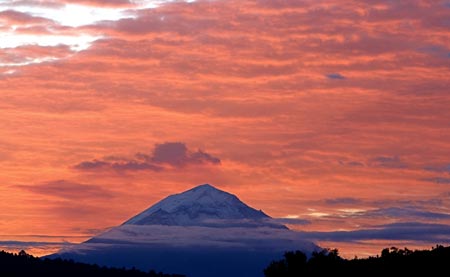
22	264
392	262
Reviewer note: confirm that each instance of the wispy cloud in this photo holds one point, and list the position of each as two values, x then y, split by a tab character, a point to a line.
438	180
173	154
411	231
443	168
68	190
343	201
252	91
388	162
117	166
292	221
36	248
336	76
405	213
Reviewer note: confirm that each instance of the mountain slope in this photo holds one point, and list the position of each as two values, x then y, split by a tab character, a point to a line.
201	232
203	205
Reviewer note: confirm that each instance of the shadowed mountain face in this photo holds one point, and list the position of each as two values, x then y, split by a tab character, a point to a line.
201	232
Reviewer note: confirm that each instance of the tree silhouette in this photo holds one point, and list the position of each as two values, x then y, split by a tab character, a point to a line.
23	264
393	261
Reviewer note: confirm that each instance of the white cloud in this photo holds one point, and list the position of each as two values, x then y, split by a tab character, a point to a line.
69	15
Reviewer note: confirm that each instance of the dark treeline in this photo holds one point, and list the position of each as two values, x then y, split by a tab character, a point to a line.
23	264
391	262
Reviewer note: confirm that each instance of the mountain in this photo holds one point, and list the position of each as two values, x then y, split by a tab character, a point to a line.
201	232
204	206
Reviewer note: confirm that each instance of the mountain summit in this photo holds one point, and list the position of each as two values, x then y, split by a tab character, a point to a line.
201	232
205	206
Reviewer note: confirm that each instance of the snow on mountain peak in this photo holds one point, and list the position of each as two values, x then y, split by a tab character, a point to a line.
203	205
203	231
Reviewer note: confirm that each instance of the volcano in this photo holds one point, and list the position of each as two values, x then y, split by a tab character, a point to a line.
204	206
201	232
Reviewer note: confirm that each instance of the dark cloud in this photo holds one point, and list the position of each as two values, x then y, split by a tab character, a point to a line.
91	165
354	163
134	166
411	231
335	76
436	50
119	166
408	202
422	210
35	247
388	162
351	163
172	154
89	231
438	180
31	244
68	190
342	200
177	154
202	157
438	168
410	210
404	212
292	221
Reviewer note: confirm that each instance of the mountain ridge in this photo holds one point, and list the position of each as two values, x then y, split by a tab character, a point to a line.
204	205
201	232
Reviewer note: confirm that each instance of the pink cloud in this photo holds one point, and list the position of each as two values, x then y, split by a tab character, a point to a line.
172	154
15	17
247	82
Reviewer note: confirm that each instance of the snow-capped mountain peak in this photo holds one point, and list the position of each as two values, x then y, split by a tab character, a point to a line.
203	205
201	232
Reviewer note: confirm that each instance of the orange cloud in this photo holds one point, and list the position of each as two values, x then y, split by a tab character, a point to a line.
323	111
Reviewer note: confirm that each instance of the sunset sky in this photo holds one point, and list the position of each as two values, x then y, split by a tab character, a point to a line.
332	114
